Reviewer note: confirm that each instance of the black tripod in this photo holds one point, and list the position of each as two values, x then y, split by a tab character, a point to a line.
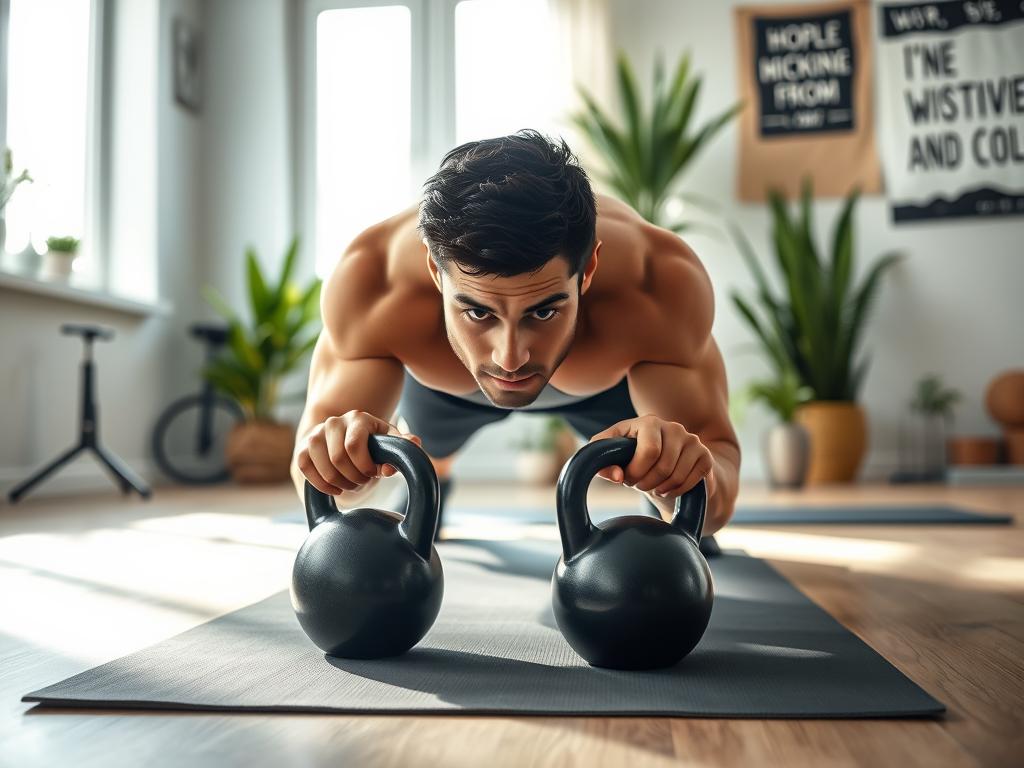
89	428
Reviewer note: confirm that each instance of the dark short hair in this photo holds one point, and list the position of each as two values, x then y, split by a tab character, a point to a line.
508	205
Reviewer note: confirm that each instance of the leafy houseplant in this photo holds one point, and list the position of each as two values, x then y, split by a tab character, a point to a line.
646	157
59	256
815	327
259	353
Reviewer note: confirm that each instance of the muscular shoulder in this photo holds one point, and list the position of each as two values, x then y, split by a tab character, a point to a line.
678	298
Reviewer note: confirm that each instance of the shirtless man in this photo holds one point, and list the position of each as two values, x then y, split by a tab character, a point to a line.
512	287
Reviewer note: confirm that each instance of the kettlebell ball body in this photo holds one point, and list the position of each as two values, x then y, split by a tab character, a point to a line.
368	583
633	592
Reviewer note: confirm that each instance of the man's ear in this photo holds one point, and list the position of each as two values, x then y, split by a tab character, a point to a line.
435	273
588	271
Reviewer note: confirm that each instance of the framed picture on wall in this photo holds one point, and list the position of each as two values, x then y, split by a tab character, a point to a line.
186	65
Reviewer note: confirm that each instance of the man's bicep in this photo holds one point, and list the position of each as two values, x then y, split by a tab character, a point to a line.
696	396
338	385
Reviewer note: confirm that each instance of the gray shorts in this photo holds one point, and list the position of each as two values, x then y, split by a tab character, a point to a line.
445	422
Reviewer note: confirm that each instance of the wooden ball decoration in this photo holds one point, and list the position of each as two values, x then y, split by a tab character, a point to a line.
1004	398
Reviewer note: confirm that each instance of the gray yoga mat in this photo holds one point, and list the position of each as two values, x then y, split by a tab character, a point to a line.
494	649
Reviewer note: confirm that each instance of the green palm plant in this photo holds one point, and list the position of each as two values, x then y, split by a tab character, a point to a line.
816	326
646	157
259	354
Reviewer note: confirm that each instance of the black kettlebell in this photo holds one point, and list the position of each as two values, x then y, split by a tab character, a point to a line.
367	583
633	592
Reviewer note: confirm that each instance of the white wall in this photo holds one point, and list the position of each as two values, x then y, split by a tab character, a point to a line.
952	307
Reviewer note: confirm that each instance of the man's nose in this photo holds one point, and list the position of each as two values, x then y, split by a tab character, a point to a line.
510	354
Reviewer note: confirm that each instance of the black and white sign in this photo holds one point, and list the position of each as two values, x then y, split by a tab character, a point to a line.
804	70
951	98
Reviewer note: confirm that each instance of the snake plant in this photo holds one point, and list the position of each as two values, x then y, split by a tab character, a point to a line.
260	353
815	327
646	156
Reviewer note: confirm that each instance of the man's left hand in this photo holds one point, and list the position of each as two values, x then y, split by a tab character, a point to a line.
668	461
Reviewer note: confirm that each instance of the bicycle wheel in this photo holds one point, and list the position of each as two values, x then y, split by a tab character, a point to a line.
190	450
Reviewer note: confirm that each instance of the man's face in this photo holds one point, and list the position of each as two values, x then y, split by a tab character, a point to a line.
512	328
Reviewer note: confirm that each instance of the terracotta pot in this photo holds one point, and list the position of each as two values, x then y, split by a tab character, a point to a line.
1004	399
1014	446
973	451
260	452
838	433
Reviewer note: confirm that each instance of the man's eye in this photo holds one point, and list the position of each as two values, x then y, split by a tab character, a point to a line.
548	309
472	317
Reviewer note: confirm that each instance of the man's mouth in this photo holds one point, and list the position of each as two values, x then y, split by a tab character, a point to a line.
519	383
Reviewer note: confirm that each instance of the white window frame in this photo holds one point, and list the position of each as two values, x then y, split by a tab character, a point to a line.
94	220
432	87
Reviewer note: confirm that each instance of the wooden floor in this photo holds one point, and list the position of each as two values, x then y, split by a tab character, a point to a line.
86	580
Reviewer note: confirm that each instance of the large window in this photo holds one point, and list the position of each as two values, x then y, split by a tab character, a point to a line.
398	84
363	122
46	127
503	66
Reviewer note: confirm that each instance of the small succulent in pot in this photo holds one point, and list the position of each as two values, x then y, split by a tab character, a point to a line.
68	245
60	253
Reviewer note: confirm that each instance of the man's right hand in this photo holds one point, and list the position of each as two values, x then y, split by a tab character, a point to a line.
335	455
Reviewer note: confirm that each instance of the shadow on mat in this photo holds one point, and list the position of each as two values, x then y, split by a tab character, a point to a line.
729	665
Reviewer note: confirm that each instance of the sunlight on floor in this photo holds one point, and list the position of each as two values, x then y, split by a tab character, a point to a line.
64	592
816	548
995	571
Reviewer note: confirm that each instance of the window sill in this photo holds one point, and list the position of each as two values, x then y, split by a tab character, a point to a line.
82	295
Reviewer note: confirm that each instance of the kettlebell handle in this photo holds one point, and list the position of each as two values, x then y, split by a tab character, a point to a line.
574	524
423	508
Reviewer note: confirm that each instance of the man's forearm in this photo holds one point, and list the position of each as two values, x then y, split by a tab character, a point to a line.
722	504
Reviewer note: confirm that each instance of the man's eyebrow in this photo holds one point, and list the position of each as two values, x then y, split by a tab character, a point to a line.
470	301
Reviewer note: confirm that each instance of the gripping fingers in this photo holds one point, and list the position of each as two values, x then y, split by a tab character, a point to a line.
324	476
693	464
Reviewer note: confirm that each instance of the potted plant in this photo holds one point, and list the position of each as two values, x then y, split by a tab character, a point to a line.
646	157
60	255
815	328
931	410
258	355
785	446
10	184
542	451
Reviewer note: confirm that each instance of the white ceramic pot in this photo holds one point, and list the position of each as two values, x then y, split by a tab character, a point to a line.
786	455
538	467
57	265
